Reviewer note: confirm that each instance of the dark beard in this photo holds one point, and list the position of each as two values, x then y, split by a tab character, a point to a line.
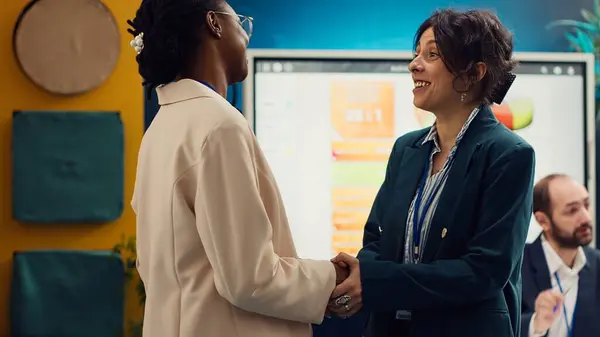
568	240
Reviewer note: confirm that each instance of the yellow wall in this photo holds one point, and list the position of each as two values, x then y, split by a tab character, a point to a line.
122	92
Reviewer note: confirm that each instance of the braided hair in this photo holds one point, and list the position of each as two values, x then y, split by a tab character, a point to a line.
170	29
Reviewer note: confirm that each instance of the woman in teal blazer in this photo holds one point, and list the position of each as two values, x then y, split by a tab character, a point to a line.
444	240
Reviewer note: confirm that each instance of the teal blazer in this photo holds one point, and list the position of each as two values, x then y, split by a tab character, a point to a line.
469	281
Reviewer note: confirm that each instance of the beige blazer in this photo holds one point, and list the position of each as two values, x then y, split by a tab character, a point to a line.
214	247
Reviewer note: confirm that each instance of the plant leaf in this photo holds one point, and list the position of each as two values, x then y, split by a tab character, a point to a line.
573	42
573	23
580	41
131	245
117	248
586	42
589	16
130	263
597	8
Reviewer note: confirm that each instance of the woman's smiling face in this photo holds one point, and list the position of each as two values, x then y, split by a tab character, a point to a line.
433	83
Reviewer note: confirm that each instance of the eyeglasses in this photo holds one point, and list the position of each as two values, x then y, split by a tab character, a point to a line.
244	21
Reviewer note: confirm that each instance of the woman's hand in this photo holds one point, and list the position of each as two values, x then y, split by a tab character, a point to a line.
341	272
346	299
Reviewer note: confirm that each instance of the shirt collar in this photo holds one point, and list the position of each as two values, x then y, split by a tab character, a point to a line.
555	263
432	135
183	90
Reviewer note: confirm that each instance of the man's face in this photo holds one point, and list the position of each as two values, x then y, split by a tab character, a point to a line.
569	223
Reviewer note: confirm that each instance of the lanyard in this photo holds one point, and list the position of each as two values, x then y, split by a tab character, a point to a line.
419	220
569	326
208	85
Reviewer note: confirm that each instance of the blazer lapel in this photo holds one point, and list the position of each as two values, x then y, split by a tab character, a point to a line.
585	318
540	266
444	212
408	177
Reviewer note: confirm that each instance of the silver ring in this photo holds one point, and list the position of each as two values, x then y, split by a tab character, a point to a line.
342	300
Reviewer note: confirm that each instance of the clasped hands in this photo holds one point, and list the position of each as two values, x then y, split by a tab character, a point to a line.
346	299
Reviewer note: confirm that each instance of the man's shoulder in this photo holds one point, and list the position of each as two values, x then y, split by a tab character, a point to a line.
592	255
530	246
529	252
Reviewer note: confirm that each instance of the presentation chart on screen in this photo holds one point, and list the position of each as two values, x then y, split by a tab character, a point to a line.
362	118
327	128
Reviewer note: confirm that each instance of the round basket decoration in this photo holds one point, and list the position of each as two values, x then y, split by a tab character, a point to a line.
67	47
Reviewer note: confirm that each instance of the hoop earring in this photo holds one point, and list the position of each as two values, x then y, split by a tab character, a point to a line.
463	97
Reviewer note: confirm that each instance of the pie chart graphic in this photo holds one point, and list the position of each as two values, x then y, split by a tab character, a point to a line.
515	114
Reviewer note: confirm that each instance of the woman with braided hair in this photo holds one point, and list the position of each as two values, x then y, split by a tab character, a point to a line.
214	248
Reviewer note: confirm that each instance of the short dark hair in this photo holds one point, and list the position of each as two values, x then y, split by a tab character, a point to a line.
542	201
170	29
466	38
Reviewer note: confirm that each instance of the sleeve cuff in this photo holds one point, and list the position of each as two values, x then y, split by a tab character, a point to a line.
532	332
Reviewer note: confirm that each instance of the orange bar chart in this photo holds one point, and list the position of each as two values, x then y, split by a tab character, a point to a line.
361	109
350	220
353	197
353	250
361	151
347	243
362	116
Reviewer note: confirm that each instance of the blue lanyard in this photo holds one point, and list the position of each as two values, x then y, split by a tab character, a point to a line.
569	326
419	220
208	85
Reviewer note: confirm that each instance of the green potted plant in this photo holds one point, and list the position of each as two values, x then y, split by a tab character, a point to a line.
127	249
584	36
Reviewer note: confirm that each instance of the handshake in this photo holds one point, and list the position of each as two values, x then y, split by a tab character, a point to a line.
346	299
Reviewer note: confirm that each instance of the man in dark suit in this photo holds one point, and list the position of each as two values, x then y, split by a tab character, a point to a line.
560	274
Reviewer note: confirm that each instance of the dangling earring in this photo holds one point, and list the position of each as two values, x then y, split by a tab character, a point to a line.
463	97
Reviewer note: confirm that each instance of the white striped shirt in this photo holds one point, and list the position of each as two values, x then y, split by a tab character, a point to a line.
428	189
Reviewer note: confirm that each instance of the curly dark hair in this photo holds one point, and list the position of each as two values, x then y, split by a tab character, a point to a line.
466	38
170	29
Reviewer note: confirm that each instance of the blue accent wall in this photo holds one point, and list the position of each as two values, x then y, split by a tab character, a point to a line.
389	24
